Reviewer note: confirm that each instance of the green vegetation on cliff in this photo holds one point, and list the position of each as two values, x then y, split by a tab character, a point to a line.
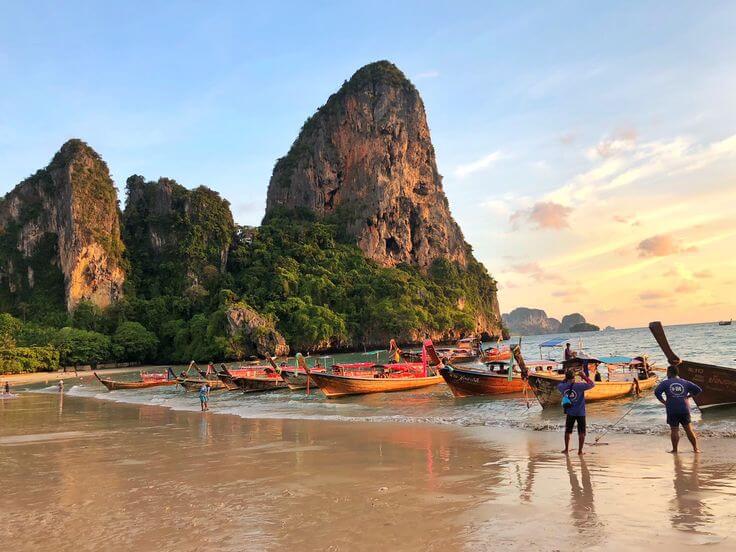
325	293
178	239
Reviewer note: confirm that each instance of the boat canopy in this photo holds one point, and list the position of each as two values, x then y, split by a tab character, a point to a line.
616	360
555	342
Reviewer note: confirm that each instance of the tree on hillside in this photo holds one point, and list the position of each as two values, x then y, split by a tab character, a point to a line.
133	342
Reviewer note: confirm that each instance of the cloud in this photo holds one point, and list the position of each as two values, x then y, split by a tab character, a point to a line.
703	274
687	287
544	215
621	141
568	138
427	75
654	295
569	292
662	246
537	273
461	171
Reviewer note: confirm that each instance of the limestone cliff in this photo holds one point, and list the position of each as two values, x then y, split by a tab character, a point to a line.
367	155
525	321
177	239
60	235
366	160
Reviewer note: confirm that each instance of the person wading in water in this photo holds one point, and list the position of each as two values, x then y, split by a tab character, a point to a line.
678	391
573	403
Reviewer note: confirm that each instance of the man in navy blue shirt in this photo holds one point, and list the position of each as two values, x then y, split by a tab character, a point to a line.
677	391
575	392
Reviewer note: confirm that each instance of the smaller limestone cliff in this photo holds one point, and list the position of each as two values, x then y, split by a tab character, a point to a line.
60	235
177	239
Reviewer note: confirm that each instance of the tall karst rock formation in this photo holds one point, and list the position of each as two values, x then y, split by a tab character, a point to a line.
60	235
367	158
177	239
368	155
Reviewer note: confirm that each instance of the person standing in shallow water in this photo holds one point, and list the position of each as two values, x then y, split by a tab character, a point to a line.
204	395
568	352
678	391
574	404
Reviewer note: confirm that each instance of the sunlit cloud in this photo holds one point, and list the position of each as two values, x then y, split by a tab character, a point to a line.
427	75
485	162
544	215
662	246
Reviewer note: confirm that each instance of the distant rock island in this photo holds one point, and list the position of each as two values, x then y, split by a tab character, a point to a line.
526	321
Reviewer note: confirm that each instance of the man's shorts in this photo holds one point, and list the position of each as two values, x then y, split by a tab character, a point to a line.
570	422
676	419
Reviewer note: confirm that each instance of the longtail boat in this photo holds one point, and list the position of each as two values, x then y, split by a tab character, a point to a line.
196	383
544	384
497	379
725	322
252	379
380	378
297	378
146	380
496	354
717	382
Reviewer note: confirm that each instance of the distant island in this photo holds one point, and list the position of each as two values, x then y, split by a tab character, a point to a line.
526	321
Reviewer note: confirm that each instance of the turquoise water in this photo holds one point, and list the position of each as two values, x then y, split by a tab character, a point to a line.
701	342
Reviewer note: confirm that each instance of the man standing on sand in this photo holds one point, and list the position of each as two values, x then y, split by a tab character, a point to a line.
204	395
573	398
678	391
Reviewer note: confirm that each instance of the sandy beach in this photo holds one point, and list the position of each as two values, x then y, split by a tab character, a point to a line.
85	474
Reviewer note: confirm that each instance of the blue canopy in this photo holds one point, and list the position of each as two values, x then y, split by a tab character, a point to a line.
553	342
616	360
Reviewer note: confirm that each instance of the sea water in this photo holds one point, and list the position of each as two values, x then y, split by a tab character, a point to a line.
708	343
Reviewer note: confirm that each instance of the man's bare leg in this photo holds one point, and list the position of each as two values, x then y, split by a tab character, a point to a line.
692	437
567	443
581	442
675	437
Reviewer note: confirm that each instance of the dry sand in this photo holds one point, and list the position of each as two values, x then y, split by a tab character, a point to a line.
85	474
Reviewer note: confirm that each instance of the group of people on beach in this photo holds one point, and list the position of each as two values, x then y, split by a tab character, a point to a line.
674	393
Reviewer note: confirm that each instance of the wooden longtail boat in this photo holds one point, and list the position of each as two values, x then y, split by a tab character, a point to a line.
147	380
478	382
254	379
297	378
382	378
195	383
717	382
544	384
725	322
496	354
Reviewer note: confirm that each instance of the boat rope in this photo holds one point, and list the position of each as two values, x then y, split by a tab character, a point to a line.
597	439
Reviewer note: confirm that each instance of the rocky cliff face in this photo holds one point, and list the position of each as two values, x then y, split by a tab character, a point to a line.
367	155
524	321
178	239
366	160
60	234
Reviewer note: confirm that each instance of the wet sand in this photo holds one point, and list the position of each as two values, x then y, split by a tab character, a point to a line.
86	474
46	377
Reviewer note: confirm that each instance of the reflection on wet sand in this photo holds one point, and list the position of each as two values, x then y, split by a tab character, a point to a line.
689	512
582	501
159	479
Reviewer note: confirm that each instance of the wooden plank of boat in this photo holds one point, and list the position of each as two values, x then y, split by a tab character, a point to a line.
717	382
113	385
544	387
469	383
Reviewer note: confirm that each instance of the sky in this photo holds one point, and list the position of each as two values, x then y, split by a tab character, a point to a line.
588	149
